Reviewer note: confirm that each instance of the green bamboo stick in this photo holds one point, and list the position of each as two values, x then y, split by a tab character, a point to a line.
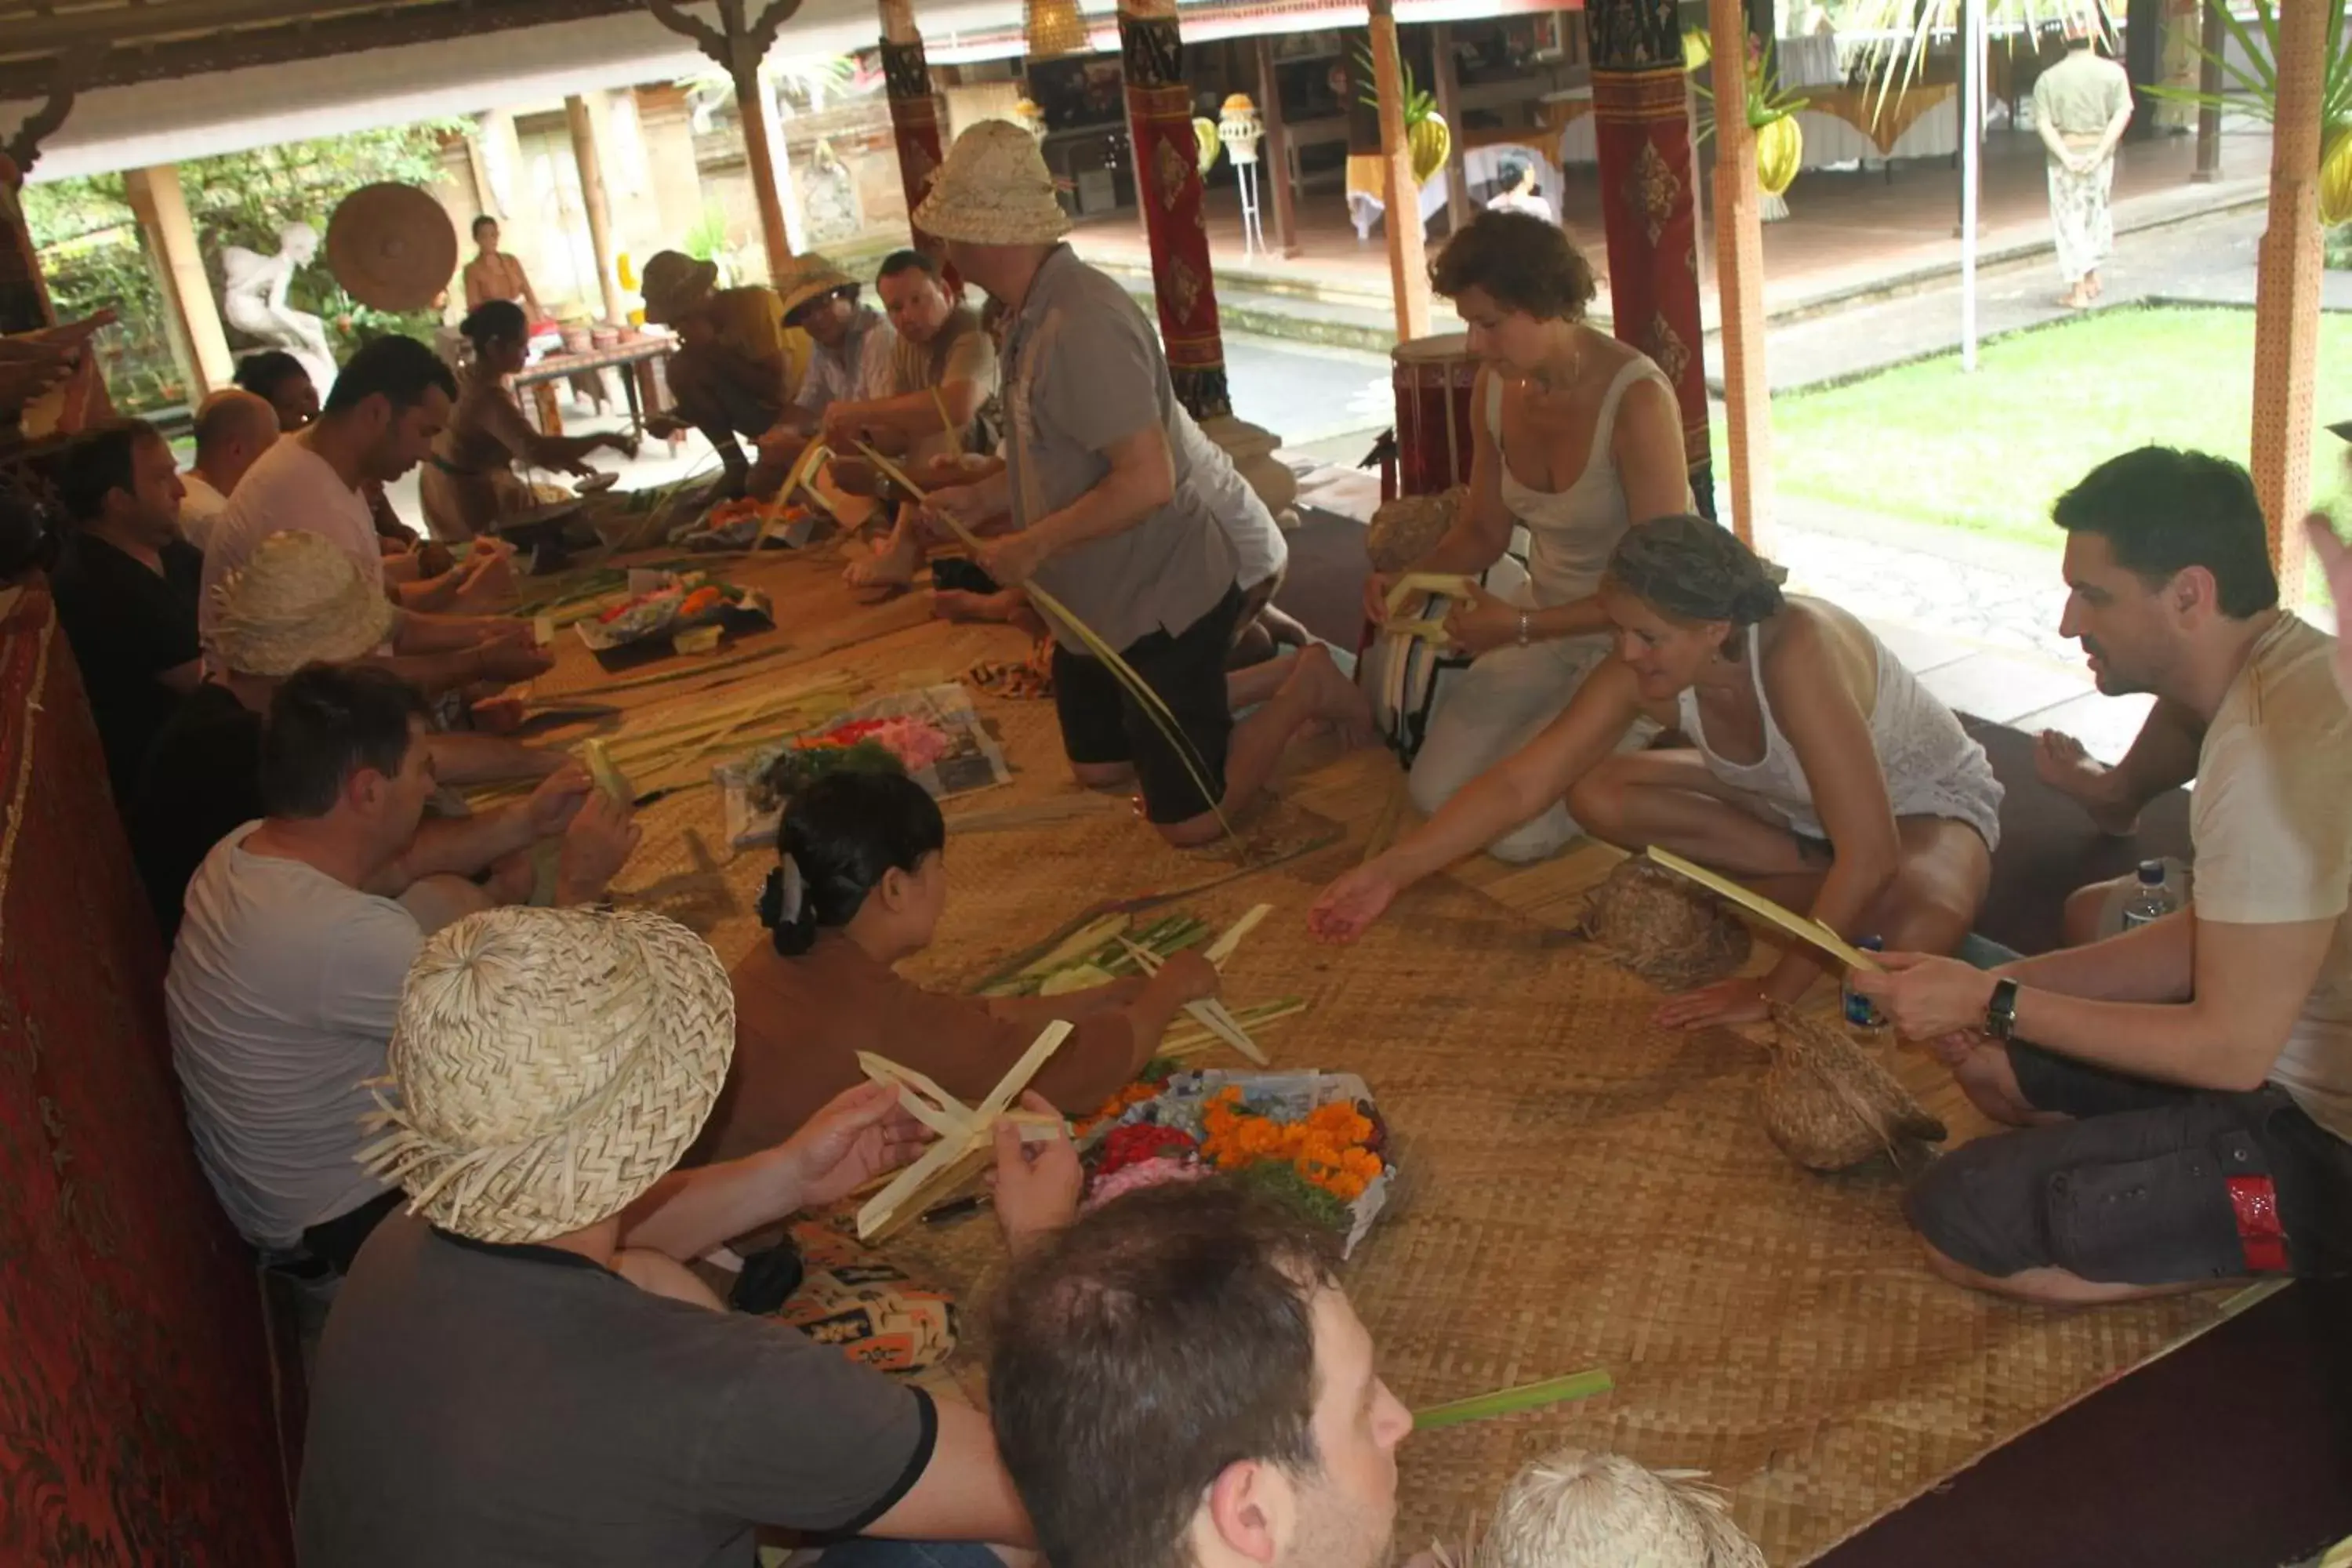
1511	1401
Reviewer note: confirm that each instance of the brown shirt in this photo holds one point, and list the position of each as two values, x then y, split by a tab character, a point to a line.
800	1022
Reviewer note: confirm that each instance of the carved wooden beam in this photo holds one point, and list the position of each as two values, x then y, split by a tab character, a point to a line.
24	148
706	38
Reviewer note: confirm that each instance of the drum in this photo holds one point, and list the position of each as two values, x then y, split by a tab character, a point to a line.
1434	376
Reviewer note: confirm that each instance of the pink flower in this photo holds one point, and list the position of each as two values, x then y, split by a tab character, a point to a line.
1145	1173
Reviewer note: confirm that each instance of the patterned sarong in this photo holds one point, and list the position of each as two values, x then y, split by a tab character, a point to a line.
2084	226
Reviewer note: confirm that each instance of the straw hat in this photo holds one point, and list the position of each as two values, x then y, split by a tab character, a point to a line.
804	279
993	189
551	1066
673	284
298	600
1578	1509
392	247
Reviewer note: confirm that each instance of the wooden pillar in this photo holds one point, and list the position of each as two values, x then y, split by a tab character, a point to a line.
914	112
1739	279
1168	189
1449	105
600	212
162	210
2287	293
2144	62
738	44
2209	81
1274	152
24	294
1642	127
1408	257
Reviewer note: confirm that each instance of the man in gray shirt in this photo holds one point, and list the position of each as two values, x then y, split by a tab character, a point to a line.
1107	512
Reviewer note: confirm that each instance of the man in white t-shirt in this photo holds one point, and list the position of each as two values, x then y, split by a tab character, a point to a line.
299	929
2187	1096
233	428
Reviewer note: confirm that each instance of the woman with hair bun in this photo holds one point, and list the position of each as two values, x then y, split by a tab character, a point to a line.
1819	770
469	482
1576	436
860	883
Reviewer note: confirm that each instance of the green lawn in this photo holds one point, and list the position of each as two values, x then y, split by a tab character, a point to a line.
1989	452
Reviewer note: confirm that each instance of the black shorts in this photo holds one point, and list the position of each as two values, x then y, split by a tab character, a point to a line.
1101	723
2149	1184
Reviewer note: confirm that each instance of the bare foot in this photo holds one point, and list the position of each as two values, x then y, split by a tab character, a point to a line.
891	568
2062	764
2075	298
2094	286
1332	698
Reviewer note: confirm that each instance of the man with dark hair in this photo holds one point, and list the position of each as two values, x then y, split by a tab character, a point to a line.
234	427
126	588
1178	1381
299	931
2186	1101
279	378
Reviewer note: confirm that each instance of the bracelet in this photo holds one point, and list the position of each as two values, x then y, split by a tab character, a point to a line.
1523	628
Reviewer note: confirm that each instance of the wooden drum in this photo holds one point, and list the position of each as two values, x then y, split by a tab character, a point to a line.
1434	376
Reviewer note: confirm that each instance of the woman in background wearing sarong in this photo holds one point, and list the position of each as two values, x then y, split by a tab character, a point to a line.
1820	771
2080	106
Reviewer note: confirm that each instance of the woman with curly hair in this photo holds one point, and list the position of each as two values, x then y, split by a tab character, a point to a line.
1818	772
1577	435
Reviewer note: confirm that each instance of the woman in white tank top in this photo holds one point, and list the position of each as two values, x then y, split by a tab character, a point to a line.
1821	774
1577	435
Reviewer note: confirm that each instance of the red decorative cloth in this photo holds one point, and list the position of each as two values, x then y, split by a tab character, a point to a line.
135	1421
1168	187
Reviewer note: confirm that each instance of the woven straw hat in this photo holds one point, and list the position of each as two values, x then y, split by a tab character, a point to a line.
673	284
551	1066
297	601
1579	1510
392	247
804	279
993	189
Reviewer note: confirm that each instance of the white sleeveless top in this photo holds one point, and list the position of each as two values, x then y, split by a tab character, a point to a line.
1932	767
1573	530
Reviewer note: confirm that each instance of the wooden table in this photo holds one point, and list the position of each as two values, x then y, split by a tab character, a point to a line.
637	360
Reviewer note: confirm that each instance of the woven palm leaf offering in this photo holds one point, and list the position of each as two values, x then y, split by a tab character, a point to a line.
1668	929
1830	1105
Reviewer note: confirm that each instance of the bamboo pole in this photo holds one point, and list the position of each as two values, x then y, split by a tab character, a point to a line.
1448	86
591	160
2286	294
1739	281
1408	257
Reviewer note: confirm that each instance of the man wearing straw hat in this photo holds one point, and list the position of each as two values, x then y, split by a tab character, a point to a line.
299	929
1110	513
522	1369
732	367
298	602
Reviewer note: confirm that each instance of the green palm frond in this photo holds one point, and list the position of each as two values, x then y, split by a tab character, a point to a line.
1766	100
1912	26
1419	105
2253	87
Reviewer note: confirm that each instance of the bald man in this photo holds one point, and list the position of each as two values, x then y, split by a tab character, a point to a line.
233	428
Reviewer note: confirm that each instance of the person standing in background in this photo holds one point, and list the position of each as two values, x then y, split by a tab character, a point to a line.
2080	106
495	275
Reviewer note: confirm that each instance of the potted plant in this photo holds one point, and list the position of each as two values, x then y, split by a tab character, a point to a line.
2254	90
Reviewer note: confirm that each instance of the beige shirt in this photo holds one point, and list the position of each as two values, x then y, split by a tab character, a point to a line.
2271	822
2081	94
962	351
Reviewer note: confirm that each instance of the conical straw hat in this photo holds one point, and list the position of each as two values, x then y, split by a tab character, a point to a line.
392	247
549	1066
993	189
297	601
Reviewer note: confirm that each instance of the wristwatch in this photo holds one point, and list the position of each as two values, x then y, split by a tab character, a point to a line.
2000	1011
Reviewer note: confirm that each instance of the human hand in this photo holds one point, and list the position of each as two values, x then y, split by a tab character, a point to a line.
1189	977
1732	1000
956	504
1012	559
1957	1046
557	800
2336	560
1483	623
1376	597
485	577
662	426
1037	1183
859	1134
597	844
1350	906
844	425
1925	998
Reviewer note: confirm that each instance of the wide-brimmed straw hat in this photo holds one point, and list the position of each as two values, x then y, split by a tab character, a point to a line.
674	283
548	1066
993	189
804	279
298	600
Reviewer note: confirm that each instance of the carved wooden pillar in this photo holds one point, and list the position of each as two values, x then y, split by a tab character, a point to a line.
2286	294
1168	187
1649	207
1739	279
914	111
1408	253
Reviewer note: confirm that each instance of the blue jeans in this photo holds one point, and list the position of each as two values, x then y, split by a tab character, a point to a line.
869	1552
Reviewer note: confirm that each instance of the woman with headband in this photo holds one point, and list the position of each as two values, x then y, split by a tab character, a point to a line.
860	883
1817	770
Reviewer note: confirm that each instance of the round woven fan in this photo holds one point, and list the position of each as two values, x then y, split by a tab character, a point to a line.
392	247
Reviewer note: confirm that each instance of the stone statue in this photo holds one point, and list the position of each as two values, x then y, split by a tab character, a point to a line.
254	300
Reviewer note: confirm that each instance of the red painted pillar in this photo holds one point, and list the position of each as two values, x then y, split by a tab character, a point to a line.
1168	187
914	111
1649	206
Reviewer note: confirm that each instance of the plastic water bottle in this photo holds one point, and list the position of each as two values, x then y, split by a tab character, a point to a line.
1862	1014
2152	900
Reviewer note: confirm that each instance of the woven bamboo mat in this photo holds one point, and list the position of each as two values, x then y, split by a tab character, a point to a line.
1588	1191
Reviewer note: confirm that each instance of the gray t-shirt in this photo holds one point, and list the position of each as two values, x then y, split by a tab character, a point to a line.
1083	370
479	1406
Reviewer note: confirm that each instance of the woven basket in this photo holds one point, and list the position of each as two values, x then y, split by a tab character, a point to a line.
1664	928
1830	1105
1408	528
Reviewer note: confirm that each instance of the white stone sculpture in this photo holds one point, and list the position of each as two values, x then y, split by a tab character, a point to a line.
253	300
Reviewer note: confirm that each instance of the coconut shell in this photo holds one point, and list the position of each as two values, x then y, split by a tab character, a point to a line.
1829	1104
1665	928
1408	528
